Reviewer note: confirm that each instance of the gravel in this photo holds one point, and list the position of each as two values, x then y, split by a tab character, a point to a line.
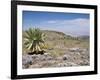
70	58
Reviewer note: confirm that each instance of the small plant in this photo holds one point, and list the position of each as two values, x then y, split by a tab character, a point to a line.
33	40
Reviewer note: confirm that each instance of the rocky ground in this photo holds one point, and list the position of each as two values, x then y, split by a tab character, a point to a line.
73	57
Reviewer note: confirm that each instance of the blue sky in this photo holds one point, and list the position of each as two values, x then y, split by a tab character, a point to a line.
69	23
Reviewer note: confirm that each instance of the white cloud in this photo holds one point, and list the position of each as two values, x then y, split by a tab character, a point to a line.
74	22
51	21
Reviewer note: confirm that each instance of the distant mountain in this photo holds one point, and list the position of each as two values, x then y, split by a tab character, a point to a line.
53	35
85	37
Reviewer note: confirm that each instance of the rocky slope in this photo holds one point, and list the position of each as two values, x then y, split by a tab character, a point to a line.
61	51
74	57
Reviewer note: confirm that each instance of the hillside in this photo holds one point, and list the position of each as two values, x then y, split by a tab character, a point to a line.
61	50
60	42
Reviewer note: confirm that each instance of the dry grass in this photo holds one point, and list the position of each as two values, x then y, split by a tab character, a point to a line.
57	44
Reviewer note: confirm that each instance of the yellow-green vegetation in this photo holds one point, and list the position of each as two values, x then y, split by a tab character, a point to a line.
33	40
55	43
